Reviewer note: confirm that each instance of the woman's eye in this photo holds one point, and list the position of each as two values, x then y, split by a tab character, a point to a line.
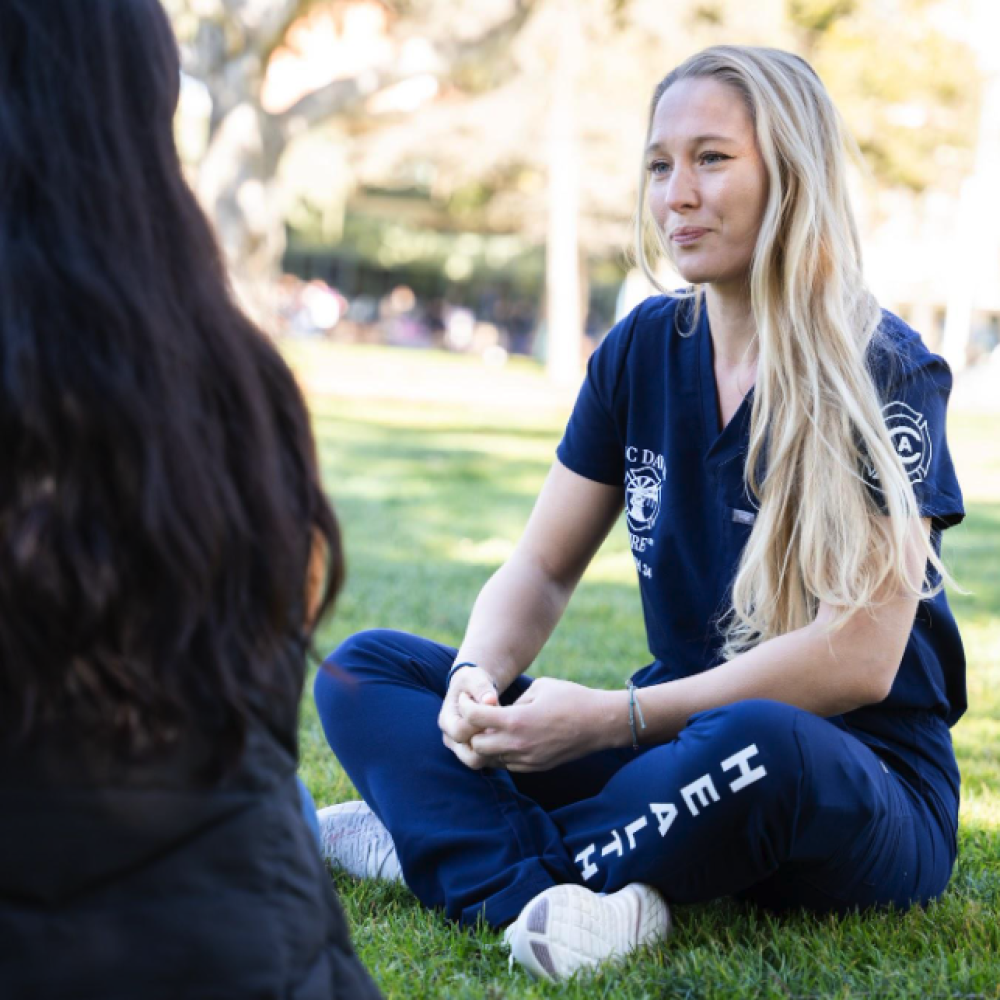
658	168
714	157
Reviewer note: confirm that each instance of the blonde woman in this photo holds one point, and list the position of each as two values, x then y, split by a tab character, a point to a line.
778	446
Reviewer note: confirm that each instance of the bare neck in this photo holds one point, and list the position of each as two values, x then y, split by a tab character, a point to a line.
734	331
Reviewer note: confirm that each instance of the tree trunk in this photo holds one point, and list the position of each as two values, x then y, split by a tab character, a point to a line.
562	275
236	185
236	182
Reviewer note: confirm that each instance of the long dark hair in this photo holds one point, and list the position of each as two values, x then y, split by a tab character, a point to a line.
159	492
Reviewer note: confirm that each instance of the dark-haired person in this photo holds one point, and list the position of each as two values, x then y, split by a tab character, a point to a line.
777	444
162	525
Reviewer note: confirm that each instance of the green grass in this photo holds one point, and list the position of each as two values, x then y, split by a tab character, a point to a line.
432	497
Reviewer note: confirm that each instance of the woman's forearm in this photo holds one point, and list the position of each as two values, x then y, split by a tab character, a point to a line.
520	605
825	671
822	672
512	618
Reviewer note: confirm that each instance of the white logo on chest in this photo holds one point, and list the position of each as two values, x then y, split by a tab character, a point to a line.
643	487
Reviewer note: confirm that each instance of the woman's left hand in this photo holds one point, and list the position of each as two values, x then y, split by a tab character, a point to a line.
553	722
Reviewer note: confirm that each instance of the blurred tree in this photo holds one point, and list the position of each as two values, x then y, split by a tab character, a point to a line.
538	112
229	45
908	90
553	153
814	17
513	158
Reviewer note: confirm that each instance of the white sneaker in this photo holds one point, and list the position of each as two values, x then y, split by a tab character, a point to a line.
568	928
352	837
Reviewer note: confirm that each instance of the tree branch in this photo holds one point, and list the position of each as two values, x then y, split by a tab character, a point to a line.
266	22
340	97
456	53
344	97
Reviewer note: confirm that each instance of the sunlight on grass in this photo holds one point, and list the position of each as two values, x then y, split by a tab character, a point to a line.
982	809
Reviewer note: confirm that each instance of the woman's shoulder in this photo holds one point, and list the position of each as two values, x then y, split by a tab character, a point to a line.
661	314
645	325
897	352
663	308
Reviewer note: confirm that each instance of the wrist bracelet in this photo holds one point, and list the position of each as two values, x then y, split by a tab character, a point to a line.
633	708
466	663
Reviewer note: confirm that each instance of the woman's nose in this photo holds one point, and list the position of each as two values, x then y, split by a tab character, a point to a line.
682	190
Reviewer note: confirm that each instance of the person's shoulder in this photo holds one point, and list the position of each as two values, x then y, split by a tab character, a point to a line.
897	352
896	340
660	313
648	321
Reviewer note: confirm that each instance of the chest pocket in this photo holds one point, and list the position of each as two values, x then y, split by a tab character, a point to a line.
737	510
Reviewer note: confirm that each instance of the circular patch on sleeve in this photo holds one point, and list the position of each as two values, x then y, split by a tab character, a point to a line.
910	438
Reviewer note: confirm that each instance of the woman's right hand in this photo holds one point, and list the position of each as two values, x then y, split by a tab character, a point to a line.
473	683
520	604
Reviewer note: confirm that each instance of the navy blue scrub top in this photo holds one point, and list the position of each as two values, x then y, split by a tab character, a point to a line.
647	419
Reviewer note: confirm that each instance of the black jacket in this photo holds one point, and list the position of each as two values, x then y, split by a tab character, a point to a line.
132	883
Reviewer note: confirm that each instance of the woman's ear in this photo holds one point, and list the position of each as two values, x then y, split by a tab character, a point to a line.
319	552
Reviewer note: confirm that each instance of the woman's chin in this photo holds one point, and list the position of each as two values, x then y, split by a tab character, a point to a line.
694	268
721	278
696	275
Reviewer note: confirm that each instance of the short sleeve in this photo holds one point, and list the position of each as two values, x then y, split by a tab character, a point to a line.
593	445
914	385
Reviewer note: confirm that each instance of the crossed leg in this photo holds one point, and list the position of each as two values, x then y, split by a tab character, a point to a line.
757	798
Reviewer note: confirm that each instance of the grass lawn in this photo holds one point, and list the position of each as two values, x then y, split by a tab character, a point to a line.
432	497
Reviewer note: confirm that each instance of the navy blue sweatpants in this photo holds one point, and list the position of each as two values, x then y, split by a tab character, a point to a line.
758	799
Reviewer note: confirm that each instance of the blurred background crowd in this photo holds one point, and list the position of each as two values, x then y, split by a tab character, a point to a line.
461	174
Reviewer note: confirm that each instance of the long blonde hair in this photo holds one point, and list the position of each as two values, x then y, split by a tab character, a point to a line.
816	421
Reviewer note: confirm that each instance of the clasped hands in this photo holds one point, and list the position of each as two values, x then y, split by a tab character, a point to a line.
553	722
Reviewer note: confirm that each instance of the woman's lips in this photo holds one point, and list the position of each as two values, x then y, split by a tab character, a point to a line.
687	234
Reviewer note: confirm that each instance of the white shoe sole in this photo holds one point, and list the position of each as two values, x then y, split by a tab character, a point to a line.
568	928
